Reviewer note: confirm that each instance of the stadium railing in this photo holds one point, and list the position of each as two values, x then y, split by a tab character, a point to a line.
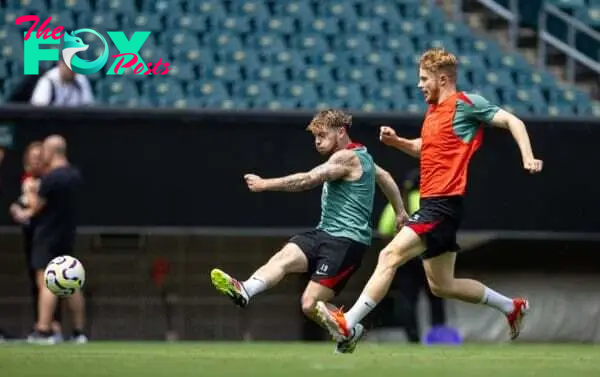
569	47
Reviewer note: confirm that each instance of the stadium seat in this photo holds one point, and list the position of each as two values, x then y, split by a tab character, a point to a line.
364	26
208	89
27	7
62	18
119	6
106	20
266	43
298	52
80	6
143	22
183	71
278	25
268	73
155	87
187	21
328	26
257	10
235	24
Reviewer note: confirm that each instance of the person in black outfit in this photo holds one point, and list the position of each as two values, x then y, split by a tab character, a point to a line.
53	210
33	169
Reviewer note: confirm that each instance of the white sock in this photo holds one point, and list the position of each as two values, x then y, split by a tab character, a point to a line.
254	286
498	301
363	306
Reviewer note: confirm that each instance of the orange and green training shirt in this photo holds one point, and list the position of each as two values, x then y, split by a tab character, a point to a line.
452	131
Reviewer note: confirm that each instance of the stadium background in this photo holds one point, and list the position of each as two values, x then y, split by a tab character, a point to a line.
163	157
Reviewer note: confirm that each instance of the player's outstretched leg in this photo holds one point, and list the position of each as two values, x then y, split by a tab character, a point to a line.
405	246
290	259
440	275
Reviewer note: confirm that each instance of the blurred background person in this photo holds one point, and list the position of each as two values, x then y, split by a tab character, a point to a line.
410	279
60	86
54	208
33	171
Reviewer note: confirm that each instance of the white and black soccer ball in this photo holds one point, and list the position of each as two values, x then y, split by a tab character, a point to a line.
64	275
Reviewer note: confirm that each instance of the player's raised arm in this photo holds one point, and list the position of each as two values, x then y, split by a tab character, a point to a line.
504	119
491	114
388	136
390	189
339	165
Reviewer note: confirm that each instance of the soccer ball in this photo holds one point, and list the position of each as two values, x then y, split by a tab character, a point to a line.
64	275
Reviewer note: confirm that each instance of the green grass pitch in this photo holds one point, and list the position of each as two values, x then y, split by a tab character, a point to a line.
198	359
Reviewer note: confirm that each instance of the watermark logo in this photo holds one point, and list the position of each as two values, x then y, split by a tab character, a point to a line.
128	58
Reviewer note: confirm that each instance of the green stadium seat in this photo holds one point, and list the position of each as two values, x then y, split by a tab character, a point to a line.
386	92
289	58
12	44
362	75
143	22
63	18
156	87
235	104
224	41
278	25
383	10
119	6
412	28
116	86
257	10
247	58
371	27
297	90
294	8
99	19
208	89
329	26
266	43
395	43
349	92
268	73
80	6
212	9
329	103
315	43
278	104
379	59
166	7
316	74
183	71
235	24
472	62
355	43
224	72
560	109
337	8
447	43
187	21
253	90
27	6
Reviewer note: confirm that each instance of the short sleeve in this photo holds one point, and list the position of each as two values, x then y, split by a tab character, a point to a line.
481	109
47	185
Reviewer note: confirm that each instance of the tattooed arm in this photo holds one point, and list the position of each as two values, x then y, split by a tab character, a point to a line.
390	189
339	165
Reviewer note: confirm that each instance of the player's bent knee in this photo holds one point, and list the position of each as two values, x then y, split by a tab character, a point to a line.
441	290
391	257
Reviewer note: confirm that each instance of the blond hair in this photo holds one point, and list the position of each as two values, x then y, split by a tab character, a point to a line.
329	118
438	60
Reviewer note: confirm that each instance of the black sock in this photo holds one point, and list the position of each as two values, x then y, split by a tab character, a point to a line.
46	334
77	333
